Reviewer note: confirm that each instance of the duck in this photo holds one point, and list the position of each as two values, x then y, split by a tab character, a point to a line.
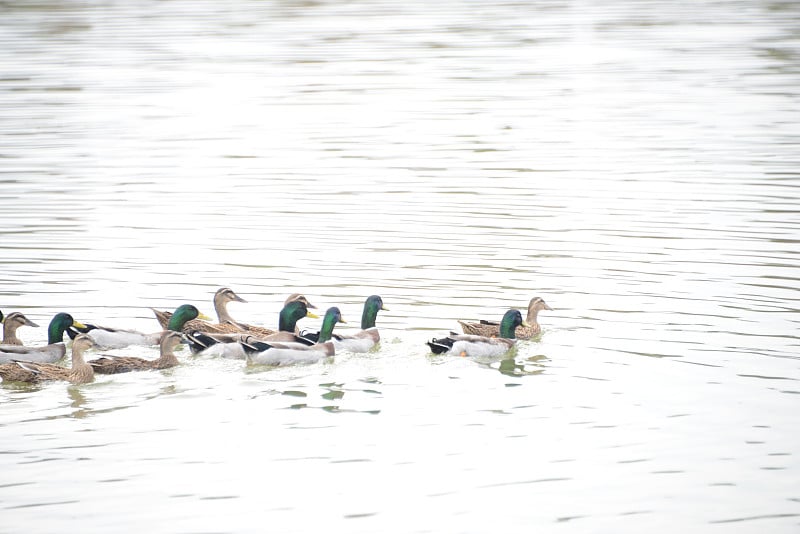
10	325
109	365
222	297
114	338
50	353
279	353
481	346
492	328
364	339
226	324
229	345
32	372
260	331
288	317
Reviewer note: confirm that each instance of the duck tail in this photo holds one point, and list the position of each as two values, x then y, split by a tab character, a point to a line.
162	317
440	346
305	335
252	346
73	331
199	341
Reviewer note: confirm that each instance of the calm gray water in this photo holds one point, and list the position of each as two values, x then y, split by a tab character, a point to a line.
636	164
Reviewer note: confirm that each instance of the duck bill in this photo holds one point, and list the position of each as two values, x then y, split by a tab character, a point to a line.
28	322
526	324
341	320
312	315
76	324
546	307
237	298
204	317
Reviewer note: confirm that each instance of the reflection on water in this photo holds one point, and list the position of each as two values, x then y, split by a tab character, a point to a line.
78	402
633	164
534	365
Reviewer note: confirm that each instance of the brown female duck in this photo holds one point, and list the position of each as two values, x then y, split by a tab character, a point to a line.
108	365
492	328
10	325
79	373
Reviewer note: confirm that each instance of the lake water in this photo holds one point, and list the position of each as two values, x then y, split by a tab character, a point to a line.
635	163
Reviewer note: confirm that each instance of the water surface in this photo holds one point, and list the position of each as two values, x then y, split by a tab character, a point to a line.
636	165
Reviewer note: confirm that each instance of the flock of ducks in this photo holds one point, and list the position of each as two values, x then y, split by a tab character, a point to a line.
229	338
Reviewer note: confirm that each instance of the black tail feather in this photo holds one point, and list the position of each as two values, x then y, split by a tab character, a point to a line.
306	341
313	337
253	347
440	346
310	336
73	331
199	341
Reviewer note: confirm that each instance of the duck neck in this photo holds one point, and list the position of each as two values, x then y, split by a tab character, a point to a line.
178	320
533	313
326	332
290	314
370	314
77	356
221	307
10	333
55	332
507	328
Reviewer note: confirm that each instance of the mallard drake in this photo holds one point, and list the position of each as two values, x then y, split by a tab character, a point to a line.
295	352
26	371
288	317
114	338
228	345
52	352
364	339
261	332
481	346
492	328
227	325
10	324
108	365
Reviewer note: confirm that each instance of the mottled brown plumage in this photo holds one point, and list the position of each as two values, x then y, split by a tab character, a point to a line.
492	328
10	325
108	365
79	373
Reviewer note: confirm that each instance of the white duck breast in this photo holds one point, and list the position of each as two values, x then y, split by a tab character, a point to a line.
233	351
292	354
361	342
479	349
